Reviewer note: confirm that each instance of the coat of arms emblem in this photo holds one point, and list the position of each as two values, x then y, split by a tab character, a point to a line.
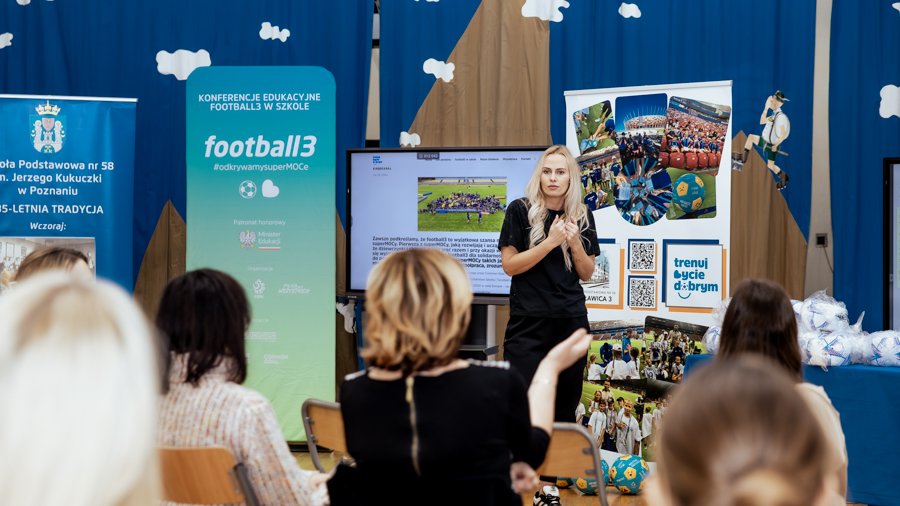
47	133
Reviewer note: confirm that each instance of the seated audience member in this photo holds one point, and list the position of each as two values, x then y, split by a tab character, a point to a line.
761	445
424	426
760	320
203	316
53	258
79	388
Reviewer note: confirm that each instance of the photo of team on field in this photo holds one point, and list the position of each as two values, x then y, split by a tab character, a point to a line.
461	204
695	135
620	407
598	170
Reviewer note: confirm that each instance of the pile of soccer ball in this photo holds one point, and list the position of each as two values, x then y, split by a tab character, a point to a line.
827	338
626	474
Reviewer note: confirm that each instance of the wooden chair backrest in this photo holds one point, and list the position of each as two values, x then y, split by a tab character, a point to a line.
572	454
200	476
324	427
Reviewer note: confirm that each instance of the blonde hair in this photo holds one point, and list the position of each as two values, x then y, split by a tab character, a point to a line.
418	305
79	389
49	258
573	207
760	445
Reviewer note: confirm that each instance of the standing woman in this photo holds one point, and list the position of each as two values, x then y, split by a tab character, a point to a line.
547	244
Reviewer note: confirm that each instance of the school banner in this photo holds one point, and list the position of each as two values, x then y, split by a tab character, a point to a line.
66	178
260	206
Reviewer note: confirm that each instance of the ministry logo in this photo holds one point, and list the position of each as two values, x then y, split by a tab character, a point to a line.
47	132
248	239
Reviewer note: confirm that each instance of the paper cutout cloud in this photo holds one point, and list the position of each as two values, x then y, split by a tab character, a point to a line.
409	140
23	2
181	63
548	10
269	190
890	101
439	69
271	32
629	10
5	39
896	6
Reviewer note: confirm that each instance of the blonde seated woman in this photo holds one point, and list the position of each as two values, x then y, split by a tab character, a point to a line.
739	433
424	426
53	258
79	386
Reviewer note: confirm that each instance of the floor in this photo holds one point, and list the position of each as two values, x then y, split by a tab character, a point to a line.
569	496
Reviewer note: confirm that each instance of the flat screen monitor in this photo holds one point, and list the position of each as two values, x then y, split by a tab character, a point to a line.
452	199
892	243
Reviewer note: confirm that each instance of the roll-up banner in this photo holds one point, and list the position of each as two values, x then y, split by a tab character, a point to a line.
67	179
655	170
260	206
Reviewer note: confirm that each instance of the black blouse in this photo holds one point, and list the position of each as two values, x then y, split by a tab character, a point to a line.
448	439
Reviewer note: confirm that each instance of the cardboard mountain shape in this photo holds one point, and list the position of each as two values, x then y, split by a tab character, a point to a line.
499	95
765	239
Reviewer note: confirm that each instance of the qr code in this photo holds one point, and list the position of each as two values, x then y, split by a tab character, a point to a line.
642	292
642	256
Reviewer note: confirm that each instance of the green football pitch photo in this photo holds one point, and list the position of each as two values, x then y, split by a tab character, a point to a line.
452	205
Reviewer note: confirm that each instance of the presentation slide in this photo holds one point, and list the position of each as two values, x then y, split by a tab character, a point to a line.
452	200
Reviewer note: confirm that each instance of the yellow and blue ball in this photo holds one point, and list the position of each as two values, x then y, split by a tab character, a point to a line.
689	192
562	482
628	473
587	486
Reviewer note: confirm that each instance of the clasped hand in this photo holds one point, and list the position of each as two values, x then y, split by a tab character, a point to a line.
564	230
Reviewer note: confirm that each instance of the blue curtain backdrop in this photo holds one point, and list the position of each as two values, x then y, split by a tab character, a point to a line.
761	46
103	48
412	32
865	56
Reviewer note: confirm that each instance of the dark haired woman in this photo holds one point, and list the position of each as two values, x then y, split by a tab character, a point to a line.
760	320
204	315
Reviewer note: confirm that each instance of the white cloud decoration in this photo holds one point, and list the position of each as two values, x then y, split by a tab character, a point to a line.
181	63
272	32
23	2
627	10
409	140
896	6
548	10
890	101
5	39
439	69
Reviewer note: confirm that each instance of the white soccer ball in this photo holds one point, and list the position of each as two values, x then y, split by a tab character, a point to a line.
886	348
823	315
247	189
827	350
